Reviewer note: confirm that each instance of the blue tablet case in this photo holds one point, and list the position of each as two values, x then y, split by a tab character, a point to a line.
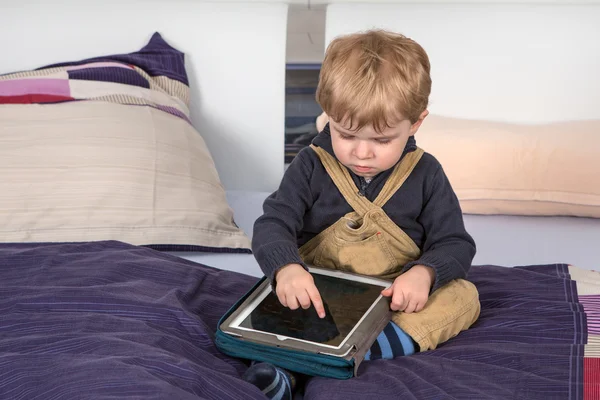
304	362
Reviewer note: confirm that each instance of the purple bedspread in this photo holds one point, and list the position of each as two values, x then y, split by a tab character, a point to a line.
110	320
527	344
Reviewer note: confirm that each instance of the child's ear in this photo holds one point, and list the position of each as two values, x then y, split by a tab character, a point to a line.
415	127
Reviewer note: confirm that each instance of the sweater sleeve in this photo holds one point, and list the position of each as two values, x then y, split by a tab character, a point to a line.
447	248
274	240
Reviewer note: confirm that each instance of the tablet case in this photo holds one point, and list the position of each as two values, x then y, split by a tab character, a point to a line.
304	362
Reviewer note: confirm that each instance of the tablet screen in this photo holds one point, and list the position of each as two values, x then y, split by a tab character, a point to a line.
345	301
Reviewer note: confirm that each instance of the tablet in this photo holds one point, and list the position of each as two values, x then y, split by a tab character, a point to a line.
354	309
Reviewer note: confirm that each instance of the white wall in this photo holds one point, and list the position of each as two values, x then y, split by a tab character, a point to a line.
506	62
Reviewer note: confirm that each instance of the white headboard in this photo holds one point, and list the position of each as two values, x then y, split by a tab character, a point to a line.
235	55
505	62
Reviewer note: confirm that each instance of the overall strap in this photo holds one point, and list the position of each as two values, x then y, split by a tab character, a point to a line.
398	176
342	179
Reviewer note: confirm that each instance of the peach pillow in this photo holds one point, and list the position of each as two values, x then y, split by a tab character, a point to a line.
518	169
321	121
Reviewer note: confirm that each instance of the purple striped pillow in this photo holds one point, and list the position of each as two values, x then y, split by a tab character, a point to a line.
157	58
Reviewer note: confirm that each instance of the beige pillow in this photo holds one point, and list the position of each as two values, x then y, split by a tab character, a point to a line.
519	169
90	171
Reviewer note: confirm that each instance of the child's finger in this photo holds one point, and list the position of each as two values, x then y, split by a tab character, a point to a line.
281	297
292	302
388	292
410	306
304	300
419	306
398	301
315	297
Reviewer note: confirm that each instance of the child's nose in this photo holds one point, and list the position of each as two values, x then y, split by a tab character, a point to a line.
362	150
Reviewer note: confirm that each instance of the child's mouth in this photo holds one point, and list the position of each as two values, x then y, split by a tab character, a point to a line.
359	168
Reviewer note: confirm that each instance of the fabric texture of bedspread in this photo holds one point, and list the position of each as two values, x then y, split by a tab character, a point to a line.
112	320
536	338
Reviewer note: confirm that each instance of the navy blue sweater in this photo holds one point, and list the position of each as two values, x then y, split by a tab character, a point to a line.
308	202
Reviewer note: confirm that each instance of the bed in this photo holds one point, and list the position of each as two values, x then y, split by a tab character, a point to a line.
129	183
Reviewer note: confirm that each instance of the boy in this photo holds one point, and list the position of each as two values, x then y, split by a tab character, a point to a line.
364	198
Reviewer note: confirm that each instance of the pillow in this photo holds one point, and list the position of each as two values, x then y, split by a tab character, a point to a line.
153	76
519	169
103	149
321	121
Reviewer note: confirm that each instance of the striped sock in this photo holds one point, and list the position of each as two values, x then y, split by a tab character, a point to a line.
392	342
275	383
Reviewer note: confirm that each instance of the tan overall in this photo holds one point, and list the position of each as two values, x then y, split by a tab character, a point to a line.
367	242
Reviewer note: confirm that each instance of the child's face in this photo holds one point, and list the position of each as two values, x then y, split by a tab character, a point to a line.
367	152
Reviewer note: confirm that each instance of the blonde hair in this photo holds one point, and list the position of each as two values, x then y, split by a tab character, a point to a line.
376	77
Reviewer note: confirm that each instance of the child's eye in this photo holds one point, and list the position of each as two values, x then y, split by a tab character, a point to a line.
383	141
346	137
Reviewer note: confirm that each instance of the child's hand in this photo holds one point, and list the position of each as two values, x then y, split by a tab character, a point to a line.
410	291
296	287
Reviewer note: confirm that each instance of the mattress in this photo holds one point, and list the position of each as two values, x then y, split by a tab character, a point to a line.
501	240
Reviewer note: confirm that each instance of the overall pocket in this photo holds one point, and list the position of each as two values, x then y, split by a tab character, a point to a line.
356	245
